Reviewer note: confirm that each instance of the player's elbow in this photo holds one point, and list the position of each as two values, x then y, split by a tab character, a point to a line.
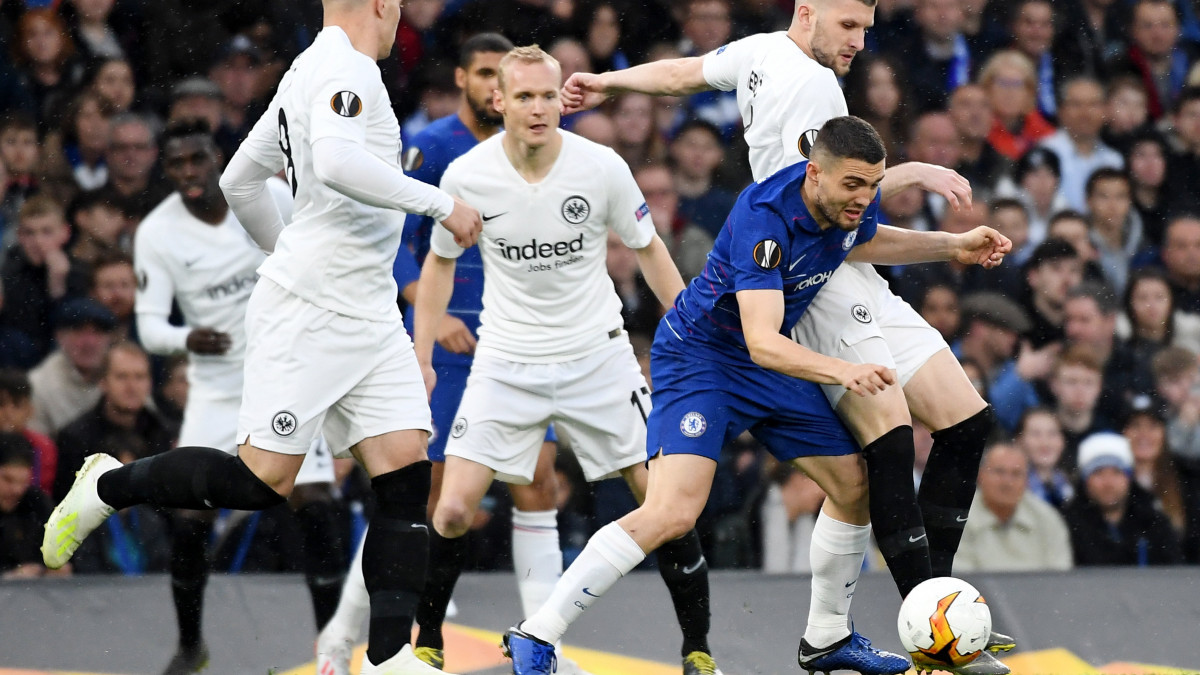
760	351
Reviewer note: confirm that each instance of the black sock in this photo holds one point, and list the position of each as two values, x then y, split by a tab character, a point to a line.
324	557
189	575
895	516
396	557
447	557
685	571
948	485
187	478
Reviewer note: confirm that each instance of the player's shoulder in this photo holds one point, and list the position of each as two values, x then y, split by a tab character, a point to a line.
590	153
770	193
160	219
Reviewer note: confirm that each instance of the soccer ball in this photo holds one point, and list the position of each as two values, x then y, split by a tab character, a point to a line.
944	622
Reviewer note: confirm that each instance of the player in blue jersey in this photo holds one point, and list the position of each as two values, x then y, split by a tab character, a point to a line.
722	364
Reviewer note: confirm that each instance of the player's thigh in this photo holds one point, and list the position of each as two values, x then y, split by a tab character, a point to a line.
464	483
910	338
601	406
542	493
451	383
940	394
873	415
501	420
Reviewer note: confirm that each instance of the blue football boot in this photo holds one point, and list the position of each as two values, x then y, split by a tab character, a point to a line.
530	656
854	652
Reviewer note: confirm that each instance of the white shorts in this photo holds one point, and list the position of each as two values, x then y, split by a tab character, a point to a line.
309	371
856	305
210	419
598	403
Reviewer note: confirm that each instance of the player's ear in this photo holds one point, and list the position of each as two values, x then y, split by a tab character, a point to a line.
460	78
498	100
813	171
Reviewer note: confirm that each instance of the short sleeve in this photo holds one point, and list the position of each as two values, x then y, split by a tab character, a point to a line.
441	241
723	66
756	250
810	107
340	99
628	213
262	143
155	286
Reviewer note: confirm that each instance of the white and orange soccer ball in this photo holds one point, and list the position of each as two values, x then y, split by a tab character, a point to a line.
944	622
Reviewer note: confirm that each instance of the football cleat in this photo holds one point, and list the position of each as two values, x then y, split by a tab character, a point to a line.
80	512
984	664
999	642
431	656
405	662
333	653
187	661
700	663
854	652
530	656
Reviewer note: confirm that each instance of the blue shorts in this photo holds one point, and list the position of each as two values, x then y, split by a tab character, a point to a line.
451	383
700	405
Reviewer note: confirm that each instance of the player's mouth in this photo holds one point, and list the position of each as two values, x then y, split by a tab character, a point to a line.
538	128
853	214
194	192
847	57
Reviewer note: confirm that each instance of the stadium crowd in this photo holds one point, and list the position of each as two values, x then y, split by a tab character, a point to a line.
1076	121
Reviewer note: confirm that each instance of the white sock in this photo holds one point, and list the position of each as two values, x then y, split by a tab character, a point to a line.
354	605
836	555
537	558
609	555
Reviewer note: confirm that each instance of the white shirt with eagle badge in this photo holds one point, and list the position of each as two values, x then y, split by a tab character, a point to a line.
547	296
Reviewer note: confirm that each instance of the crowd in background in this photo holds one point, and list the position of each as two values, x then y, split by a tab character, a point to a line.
1076	121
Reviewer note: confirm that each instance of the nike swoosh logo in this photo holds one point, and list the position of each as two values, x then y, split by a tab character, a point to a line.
960	519
587	592
852	583
189	263
797	262
487	218
693	568
914	540
418	526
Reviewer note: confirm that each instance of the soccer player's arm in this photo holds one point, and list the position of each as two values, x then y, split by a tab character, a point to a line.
435	286
152	303
629	217
931	178
244	181
888	245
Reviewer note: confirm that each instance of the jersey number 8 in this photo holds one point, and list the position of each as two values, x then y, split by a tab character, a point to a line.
285	144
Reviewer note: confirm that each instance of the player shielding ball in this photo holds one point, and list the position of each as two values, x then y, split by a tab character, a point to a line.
551	345
326	345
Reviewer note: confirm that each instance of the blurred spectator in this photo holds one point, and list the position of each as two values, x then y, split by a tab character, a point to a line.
1087	34
181	37
1184	166
238	74
907	209
82	147
1053	269
1073	228
978	161
101	29
1146	160
120	419
688	243
1011	85
939	307
1145	427
1125	112
199	98
1076	383
1150	322
934	139
706	27
639	308
17	349
1181	259
20	155
637	139
438	94
1176	376
38	272
1116	227
1077	144
1009	218
66	383
114	285
876	91
938	55
1009	529
599	25
1037	183
418	40
1112	519
45	54
912	279
16	409
991	324
596	127
695	153
1090	321
1040	436
112	80
524	22
1032	29
1156	54
99	221
132	157
171	396
24	510
572	56
984	32
789	512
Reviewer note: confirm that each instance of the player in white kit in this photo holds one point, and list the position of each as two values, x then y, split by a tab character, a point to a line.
787	87
191	249
326	347
551	345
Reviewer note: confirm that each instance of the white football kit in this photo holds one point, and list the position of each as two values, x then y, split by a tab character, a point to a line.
326	347
785	97
551	345
210	271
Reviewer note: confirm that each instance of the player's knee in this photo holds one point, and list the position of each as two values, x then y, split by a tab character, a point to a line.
847	489
452	517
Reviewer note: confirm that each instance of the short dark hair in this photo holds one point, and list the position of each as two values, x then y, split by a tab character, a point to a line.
18	120
697	123
1104	173
14	384
1050	250
1102	294
1008	203
850	137
482	43
90	199
1188	95
127	346
15	449
1066	214
186	129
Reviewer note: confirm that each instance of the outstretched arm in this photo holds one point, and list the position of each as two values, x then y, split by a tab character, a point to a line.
896	246
669	77
930	178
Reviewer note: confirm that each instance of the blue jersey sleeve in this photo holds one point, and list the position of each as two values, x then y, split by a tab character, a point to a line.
758	245
423	161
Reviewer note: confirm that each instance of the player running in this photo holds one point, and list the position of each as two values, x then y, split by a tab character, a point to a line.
551	346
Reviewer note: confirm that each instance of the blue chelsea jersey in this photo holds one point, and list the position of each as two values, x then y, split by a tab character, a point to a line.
769	242
426	159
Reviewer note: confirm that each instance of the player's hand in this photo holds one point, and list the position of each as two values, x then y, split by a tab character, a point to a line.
464	223
1036	364
982	246
582	91
866	378
454	336
430	376
208	341
948	183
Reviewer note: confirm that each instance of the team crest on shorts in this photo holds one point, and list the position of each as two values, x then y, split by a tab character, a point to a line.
458	428
848	242
283	423
767	254
576	209
861	313
804	145
693	425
